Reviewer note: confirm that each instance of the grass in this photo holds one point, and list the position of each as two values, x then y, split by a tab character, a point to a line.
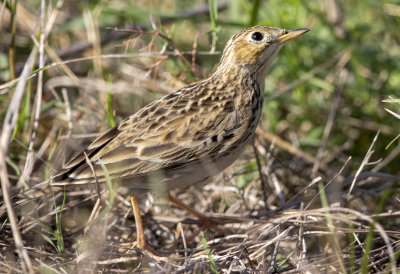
57	234
213	267
322	195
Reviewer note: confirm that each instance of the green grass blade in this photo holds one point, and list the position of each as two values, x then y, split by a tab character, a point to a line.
331	226
110	110
213	266
254	12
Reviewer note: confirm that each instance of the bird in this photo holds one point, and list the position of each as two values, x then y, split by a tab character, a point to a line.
187	136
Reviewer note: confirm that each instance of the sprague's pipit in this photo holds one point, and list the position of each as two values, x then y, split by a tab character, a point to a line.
189	135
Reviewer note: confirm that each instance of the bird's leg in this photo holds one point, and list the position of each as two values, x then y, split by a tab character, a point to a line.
140	239
205	220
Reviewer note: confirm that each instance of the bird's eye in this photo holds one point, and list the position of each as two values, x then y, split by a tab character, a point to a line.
257	36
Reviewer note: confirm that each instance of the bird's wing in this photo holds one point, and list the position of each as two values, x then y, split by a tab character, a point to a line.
176	129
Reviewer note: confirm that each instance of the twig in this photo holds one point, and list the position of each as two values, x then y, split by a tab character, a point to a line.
363	249
93	215
78	48
274	254
379	228
263	182
68	112
279	142
183	241
278	189
269	160
302	241
89	163
11	83
194	48
8	127
3	8
30	158
330	122
306	76
363	163
392	155
333	179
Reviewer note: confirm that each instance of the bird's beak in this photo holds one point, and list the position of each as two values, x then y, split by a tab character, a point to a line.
290	34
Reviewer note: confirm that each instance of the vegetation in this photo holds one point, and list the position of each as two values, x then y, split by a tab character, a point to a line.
317	191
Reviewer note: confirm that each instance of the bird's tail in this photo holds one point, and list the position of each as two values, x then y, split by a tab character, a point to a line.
28	198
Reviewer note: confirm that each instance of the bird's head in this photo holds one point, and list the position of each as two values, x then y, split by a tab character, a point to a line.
253	49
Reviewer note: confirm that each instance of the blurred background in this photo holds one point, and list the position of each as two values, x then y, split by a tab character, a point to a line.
346	65
327	96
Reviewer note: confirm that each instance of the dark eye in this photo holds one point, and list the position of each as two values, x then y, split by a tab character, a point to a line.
257	36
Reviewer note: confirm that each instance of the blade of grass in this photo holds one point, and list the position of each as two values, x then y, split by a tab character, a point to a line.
30	157
12	7
283	262
13	166
213	266
366	260
254	12
331	226
58	233
24	114
110	109
51	154
352	242
8	127
213	8
111	189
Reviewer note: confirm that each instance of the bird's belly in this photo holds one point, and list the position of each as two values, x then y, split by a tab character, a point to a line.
202	170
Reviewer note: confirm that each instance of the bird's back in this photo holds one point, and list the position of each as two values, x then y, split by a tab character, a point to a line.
181	139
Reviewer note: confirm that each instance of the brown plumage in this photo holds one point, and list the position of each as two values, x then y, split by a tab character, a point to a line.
192	134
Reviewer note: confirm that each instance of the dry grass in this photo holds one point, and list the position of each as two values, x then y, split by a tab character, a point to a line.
291	211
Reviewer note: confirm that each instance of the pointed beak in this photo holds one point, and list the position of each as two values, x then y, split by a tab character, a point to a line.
290	34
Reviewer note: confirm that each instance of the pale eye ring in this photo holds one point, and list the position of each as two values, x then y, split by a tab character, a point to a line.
257	36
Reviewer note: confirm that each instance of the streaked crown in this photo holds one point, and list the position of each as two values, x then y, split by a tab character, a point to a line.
253	49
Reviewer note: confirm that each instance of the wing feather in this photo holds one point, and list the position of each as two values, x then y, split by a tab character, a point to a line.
158	137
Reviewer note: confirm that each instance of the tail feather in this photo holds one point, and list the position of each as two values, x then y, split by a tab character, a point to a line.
34	193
